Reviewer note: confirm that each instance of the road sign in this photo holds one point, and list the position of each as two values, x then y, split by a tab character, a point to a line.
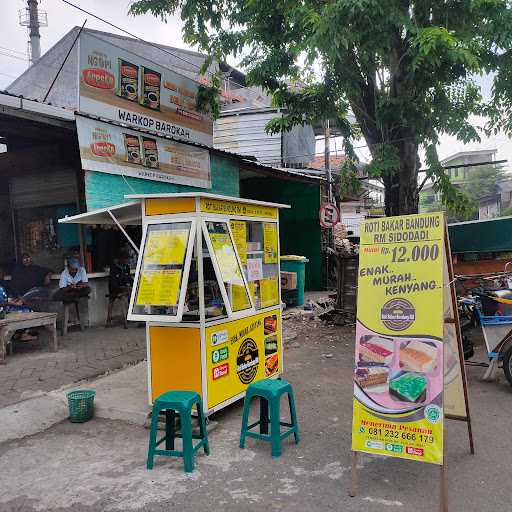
329	215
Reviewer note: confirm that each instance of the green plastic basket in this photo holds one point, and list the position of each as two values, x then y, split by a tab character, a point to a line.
81	405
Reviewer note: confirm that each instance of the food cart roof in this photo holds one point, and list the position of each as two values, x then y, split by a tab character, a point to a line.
125	213
208	196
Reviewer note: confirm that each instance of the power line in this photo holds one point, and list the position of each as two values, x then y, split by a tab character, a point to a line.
13	56
12	50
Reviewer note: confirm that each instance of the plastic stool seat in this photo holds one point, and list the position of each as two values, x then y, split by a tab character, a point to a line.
270	392
181	402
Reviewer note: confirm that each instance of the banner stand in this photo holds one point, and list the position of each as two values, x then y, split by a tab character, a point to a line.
443	481
454	320
354	487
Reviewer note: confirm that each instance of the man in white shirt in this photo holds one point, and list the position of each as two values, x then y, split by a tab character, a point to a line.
72	284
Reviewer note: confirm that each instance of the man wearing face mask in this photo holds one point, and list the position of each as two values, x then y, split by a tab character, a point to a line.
73	282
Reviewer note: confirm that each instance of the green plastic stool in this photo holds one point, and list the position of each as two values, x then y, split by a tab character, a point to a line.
181	402
269	392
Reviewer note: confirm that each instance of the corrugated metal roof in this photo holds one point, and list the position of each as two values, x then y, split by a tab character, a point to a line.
36	80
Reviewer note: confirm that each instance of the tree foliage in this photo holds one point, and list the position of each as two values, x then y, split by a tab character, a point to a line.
482	183
405	69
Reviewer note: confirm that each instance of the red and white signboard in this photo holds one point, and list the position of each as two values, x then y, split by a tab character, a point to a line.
329	215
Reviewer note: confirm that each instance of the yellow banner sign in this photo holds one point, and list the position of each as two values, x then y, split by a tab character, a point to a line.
398	378
237	208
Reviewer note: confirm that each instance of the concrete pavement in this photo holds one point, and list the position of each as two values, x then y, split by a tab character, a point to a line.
100	465
82	355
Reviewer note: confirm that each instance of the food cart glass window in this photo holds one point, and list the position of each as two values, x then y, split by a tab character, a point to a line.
161	271
213	301
230	271
262	263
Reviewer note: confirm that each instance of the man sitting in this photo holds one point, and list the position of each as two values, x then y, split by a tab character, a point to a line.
30	282
120	281
73	283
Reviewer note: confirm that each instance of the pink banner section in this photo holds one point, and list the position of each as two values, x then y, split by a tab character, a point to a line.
397	373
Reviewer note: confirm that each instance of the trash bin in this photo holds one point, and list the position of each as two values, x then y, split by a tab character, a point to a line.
81	405
295	264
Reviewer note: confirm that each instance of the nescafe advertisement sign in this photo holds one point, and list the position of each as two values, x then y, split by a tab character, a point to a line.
126	88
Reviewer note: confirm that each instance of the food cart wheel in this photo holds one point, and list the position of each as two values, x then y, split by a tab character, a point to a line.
507	364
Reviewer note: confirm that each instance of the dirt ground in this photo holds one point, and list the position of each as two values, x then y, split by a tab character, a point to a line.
100	465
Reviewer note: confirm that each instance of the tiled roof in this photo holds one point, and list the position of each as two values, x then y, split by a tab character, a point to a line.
319	162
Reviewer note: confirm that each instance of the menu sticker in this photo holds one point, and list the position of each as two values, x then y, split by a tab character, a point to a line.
239	230
159	287
254	269
269	292
226	258
166	247
269	242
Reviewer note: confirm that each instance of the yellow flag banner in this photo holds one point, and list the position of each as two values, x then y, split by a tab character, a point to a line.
398	376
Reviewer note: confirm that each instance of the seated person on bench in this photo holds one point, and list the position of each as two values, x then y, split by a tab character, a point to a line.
30	282
73	283
120	281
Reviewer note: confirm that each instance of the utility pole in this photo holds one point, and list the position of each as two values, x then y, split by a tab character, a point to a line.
327	160
32	18
330	198
35	36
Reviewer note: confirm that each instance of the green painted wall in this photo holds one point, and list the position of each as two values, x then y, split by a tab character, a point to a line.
300	231
102	189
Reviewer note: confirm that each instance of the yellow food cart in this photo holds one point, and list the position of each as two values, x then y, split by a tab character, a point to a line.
207	285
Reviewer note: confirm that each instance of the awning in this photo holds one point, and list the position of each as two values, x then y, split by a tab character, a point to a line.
488	235
129	214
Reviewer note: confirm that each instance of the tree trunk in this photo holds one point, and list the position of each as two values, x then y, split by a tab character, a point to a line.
401	188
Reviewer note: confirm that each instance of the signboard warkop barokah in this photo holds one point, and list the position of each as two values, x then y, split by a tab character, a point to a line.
118	85
113	149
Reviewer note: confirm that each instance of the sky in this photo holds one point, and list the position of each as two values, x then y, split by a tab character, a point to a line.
62	18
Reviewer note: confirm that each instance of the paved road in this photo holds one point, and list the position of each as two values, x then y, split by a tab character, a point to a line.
100	465
81	355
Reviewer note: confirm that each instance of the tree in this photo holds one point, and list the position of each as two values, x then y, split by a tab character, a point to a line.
404	68
482	182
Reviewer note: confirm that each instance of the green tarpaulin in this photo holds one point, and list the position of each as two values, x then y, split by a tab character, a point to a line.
493	235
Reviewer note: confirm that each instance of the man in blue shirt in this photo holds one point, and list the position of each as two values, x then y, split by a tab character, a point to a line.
73	283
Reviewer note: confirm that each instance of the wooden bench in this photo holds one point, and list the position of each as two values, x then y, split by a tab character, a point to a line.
17	321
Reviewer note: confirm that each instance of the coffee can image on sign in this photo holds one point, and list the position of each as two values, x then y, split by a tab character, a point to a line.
128	80
150	96
132	145
150	149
